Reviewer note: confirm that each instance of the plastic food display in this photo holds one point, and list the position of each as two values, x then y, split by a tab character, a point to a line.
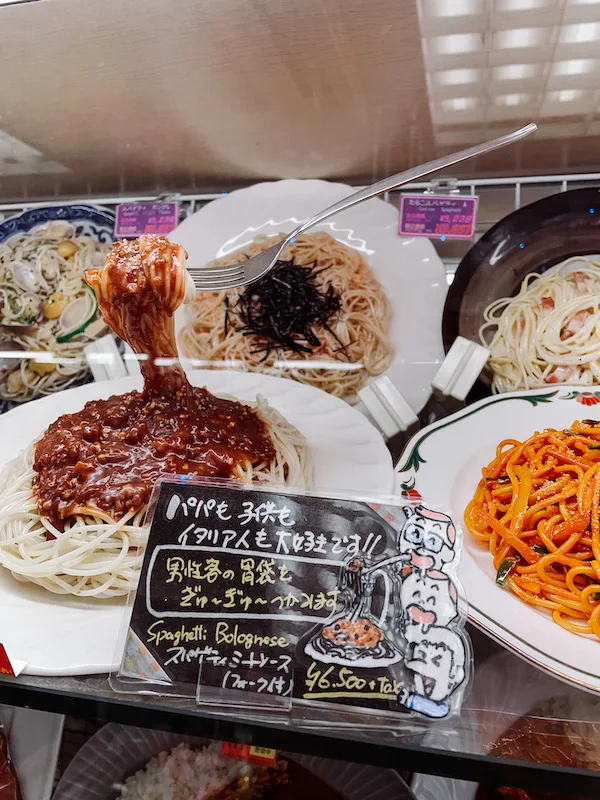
333	533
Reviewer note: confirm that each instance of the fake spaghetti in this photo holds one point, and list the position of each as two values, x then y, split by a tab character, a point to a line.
537	509
72	506
320	317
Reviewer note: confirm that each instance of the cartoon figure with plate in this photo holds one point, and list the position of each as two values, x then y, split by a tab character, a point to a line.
418	626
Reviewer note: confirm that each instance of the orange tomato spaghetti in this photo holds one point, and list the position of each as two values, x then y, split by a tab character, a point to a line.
537	509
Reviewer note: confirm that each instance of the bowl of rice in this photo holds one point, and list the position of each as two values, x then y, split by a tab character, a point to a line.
126	763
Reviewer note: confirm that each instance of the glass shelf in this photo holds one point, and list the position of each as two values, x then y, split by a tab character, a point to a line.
518	726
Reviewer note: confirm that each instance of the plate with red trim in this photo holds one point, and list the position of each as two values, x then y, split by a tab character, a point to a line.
443	463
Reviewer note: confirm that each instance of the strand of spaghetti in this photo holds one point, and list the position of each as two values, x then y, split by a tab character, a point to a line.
521	547
533	599
595	513
569	459
564	495
575	627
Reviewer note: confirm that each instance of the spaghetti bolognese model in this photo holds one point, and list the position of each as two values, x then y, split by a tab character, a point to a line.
321	303
72	506
537	509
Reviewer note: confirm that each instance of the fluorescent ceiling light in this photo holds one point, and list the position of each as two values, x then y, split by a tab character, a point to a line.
456	77
580	32
519	5
456	43
576	66
515	72
449	8
565	96
517	37
511	99
458	103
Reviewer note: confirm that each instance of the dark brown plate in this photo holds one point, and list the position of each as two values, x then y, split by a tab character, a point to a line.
532	239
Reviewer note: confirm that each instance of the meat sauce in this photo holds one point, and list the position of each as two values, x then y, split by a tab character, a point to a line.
108	456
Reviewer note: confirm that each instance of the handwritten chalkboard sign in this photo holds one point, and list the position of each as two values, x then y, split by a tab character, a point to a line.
294	597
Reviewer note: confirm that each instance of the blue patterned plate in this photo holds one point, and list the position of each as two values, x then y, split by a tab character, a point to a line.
93	221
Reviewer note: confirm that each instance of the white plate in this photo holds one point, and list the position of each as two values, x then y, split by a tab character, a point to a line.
409	270
67	636
445	459
118	751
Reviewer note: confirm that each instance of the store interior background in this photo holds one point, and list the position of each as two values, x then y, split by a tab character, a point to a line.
226	92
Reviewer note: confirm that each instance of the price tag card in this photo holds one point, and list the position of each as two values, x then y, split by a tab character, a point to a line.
262	756
10	666
438	216
136	219
6	668
270	598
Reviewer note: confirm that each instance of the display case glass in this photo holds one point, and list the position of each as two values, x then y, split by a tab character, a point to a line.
329	488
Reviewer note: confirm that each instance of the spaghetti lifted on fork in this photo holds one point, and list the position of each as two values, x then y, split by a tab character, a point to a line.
537	508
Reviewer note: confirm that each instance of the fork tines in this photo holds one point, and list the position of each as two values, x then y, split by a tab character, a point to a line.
217	278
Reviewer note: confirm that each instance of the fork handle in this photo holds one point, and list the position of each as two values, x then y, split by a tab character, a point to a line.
413	174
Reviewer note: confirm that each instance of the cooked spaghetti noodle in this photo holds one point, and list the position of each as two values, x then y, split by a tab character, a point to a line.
549	332
41	276
537	509
354	341
72	506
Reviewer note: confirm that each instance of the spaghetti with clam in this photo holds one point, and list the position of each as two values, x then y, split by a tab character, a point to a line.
537	509
46	307
72	506
347	348
549	332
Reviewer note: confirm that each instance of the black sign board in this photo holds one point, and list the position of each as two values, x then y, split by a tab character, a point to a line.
293	597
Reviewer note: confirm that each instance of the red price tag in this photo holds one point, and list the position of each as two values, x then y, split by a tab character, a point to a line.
438	216
234	750
5	665
261	756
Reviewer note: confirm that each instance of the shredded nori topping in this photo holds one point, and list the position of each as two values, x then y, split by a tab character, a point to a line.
285	307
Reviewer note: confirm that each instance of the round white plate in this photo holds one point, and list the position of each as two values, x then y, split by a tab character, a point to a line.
58	635
118	751
409	270
445	459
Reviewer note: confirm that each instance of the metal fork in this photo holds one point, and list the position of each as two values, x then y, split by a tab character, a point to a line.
217	278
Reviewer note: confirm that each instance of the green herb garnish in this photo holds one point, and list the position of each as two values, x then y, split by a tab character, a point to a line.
540	549
504	570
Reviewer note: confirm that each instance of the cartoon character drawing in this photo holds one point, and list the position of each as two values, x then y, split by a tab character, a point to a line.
437	665
435	654
417	614
427	538
427	599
